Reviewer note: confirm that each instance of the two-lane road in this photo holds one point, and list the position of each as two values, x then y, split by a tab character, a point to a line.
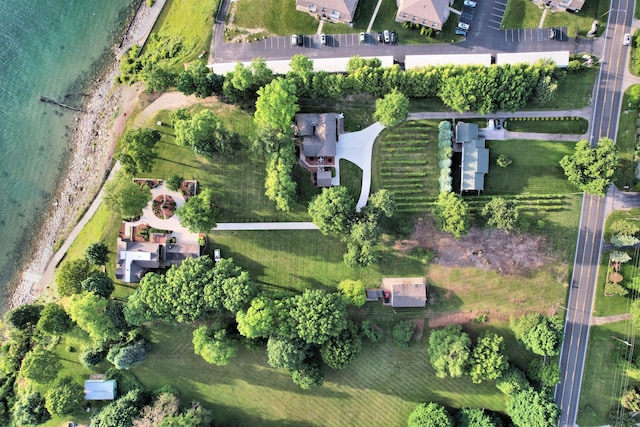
607	100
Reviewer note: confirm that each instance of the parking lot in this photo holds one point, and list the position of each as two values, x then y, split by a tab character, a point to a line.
496	14
313	41
535	35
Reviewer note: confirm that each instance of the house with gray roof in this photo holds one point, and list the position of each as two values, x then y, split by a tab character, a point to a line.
405	291
427	13
100	389
339	11
561	5
319	134
135	257
475	157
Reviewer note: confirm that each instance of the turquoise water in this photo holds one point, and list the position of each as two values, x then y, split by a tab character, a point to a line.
47	47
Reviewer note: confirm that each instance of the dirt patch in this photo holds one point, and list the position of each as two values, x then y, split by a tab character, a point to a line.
509	254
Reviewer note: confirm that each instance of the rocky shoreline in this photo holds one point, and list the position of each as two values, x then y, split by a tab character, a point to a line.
95	132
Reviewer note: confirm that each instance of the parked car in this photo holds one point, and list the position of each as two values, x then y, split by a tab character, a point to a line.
461	32
300	40
552	33
627	39
497	123
216	255
380	37
394	37
294	40
470	3
387	36
463	25
323	39
363	37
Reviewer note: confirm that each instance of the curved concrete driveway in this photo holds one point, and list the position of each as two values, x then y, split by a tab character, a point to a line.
357	147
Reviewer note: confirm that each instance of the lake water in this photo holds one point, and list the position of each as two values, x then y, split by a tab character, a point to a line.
50	48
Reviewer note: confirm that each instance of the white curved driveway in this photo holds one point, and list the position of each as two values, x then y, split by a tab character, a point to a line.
357	147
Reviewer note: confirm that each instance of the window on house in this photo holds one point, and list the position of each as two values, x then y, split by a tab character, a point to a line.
415	18
312	7
404	15
335	14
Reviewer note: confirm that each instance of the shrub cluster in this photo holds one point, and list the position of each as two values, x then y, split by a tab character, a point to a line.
444	156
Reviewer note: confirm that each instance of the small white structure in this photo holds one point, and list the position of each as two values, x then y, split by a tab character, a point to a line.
415	61
560	58
100	389
330	65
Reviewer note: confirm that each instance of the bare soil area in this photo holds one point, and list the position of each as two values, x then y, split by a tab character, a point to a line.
508	254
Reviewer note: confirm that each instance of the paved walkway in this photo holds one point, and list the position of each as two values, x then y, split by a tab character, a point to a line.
233	226
373	17
357	147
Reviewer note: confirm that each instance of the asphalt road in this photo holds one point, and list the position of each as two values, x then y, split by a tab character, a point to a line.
604	123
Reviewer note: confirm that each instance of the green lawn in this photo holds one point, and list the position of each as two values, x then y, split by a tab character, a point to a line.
632	214
237	182
357	109
405	161
521	14
634	59
535	168
615	304
574	91
301	259
578	126
525	14
637	10
604	380
351	177
626	142
249	392
191	20
278	17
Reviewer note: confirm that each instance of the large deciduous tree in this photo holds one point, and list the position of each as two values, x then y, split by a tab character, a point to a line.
501	213
30	410
402	333
540	334
259	320
214	344
592	168
333	210
71	275
430	415
64	397
99	283
353	291
488	360
276	105
318	315
40	365
451	214
206	134
124	197
123	411
230	289
97	253
90	312
475	417
449	351
54	320
393	109
340	351
24	316
138	153
198	214
127	356
198	79
286	353
531	408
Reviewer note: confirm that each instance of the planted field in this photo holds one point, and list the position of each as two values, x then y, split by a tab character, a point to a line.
380	388
405	161
535	168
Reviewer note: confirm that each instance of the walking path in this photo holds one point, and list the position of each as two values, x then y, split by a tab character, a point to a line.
544	15
357	147
233	226
610	319
38	286
373	17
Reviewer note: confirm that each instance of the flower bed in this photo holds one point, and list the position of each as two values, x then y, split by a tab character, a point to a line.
164	206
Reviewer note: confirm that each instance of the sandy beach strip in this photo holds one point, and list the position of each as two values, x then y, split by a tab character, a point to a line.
95	132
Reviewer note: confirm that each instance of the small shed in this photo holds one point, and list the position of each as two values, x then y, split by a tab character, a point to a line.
100	389
406	291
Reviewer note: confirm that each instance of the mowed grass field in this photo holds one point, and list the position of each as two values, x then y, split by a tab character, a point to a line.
278	17
535	168
380	388
626	143
604	380
237	181
405	161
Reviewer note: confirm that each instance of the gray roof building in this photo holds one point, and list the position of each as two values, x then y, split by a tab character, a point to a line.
428	13
319	133
100	389
329	10
475	157
406	291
